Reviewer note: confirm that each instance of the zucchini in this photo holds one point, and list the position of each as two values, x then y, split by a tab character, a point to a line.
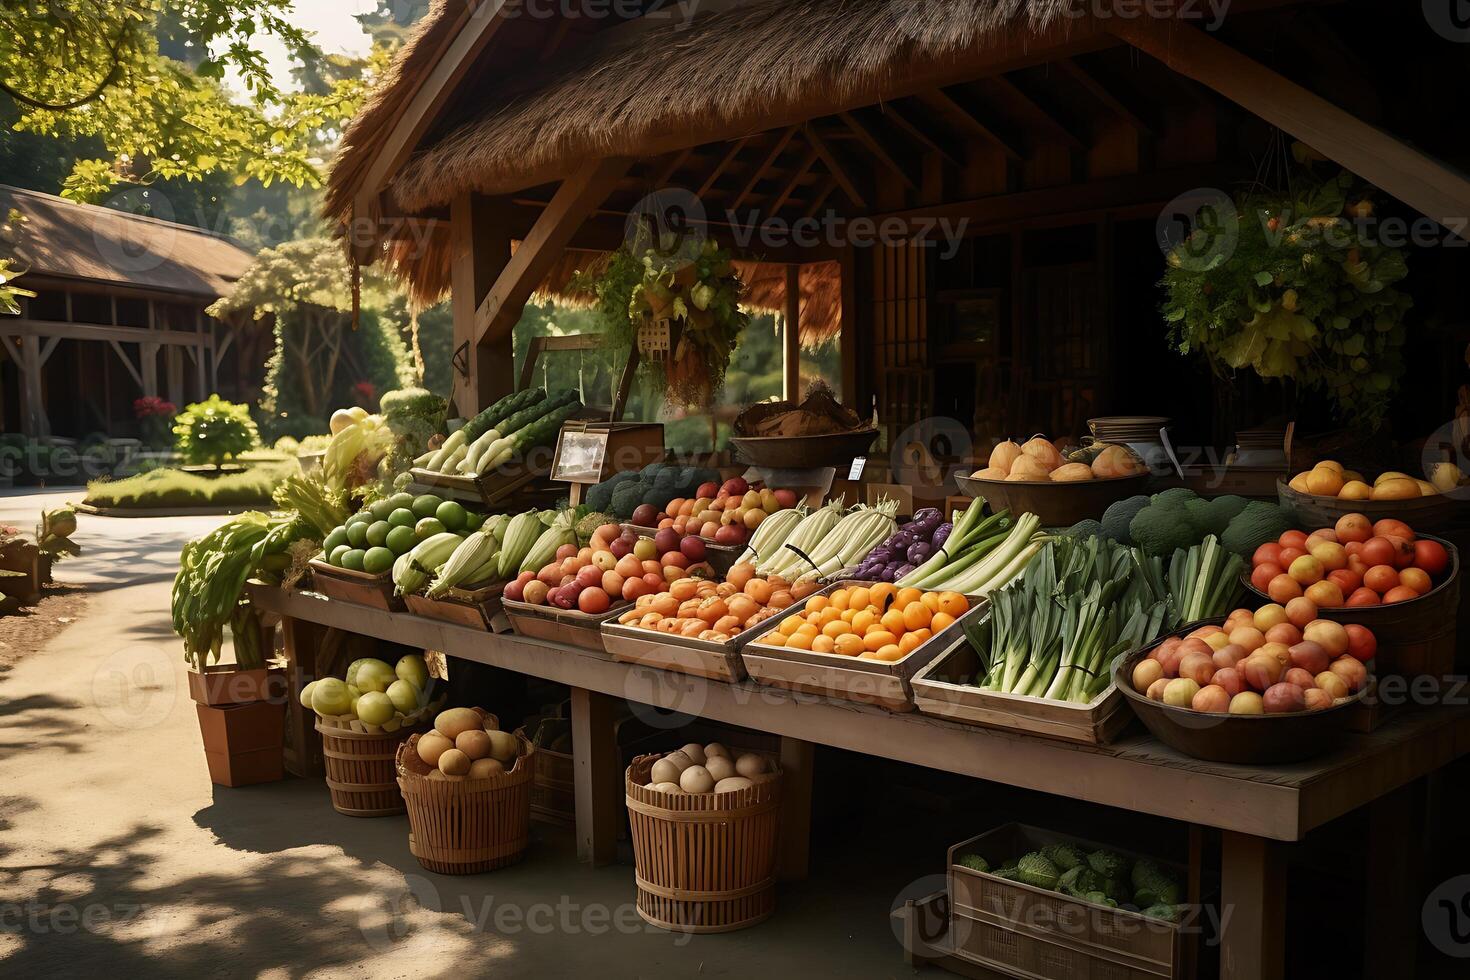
502	409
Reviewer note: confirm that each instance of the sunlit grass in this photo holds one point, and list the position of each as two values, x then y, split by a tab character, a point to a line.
175	488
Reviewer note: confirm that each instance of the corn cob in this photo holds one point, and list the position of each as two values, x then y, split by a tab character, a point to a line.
772	534
808	534
467	558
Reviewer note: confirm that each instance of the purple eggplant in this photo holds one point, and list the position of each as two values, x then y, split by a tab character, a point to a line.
919	552
941	535
900	542
924	513
902	571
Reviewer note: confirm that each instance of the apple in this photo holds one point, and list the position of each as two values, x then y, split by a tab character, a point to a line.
1197	667
1283	698
1145	672
620	547
645	515
1247	703
1351	671
1331	635
1212	699
645	549
589	576
706	492
1316	699
1310	656
693	549
1180	692
1230	680
666	540
1333	684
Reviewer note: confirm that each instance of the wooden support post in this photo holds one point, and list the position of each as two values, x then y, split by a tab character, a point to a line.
597	776
201	352
35	402
848	339
1392	904
791	336
1253	896
481	249
301	639
796	808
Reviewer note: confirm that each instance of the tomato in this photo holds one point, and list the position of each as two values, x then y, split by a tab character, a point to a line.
1377	551
1388	527
1294	539
1283	588
1289	555
1403	551
1268	553
1345	579
1416	579
1353	547
1381	578
1353	528
1400	593
1358	565
1431	556
1262	575
1363	597
1362	644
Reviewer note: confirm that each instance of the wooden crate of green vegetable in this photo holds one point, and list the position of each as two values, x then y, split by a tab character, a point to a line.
476	607
513	426
1029	901
346	585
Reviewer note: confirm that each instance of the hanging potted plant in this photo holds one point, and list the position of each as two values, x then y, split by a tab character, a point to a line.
679	307
1296	286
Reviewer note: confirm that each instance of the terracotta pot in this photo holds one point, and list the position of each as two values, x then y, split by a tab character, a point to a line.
243	742
225	684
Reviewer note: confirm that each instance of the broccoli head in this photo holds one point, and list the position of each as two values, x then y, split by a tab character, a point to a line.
974	862
1257	523
626	498
1037	871
1163	528
590	523
1108	864
1118	516
1085	529
1213	516
659	497
1174	495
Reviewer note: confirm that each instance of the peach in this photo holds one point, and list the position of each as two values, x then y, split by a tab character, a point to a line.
1301	611
1284	589
1331	635
1247	638
1212	699
1145	672
1197	667
1229	678
1270	615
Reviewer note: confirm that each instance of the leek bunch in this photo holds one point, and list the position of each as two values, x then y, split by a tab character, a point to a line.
1055	632
981	554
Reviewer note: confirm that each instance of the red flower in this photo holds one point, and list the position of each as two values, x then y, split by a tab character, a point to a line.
365	392
151	405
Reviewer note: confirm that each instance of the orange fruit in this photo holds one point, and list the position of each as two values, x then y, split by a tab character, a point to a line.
828	615
878	639
805	629
907	596
930	601
909	642
822	644
893	621
916	616
858	598
836	628
848	644
863	621
849	614
889	652
923	634
881	595
816	603
953	603
940	621
838	600
774	639
799	641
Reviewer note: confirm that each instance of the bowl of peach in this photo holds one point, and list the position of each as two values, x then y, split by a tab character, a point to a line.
1274	684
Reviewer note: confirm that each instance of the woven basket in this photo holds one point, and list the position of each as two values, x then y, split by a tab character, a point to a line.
466	826
704	863
360	769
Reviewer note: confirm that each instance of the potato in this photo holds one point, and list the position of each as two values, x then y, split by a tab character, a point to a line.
664	771
503	746
696	779
474	743
486	769
1072	473
750	764
455	720
695	752
715	748
732	784
680	760
431	746
720	767
453	762
669	787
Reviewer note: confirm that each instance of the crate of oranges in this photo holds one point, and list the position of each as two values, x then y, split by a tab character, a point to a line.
860	641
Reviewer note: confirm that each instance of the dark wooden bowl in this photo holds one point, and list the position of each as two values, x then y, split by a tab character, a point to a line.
1430	513
1057	504
1414	637
804	452
1250	740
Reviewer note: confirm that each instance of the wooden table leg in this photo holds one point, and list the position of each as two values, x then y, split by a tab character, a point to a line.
300	641
796	808
1393	895
1252	908
597	776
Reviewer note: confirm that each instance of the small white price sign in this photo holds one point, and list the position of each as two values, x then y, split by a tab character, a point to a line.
855	472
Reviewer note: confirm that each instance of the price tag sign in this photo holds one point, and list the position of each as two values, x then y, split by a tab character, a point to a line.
855	472
579	457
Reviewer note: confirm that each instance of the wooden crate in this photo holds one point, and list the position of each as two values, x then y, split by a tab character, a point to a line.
566	626
882	683
704	863
478	609
466	826
945	688
686	654
221	684
1020	930
526	486
346	585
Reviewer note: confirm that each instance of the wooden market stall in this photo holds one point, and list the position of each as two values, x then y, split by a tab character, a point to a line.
1017	157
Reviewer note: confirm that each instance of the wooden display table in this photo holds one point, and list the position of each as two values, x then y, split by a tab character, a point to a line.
1256	809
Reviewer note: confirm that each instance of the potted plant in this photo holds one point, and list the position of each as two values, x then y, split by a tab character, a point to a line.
155	417
241	707
1295	286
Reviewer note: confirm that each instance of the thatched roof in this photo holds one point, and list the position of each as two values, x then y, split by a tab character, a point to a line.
68	240
763	58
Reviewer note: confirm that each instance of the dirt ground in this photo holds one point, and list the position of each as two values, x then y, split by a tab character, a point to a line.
35	626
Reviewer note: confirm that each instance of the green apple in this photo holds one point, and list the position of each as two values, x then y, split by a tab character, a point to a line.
306	694
411	668
374	708
330	696
404	695
373	675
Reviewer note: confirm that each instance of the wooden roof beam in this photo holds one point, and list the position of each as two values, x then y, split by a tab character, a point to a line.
1106	95
760	171
714	175
935	143
967	114
875	146
667	173
577	198
1380	158
1040	113
797	176
820	198
840	169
